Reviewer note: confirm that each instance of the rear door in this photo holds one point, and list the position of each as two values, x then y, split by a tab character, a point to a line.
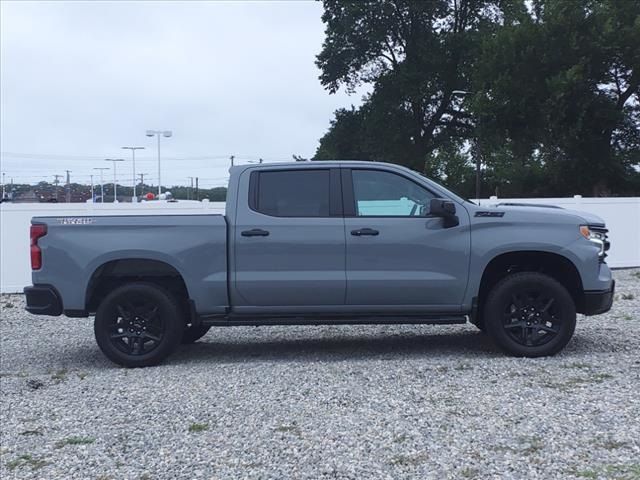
398	256
289	243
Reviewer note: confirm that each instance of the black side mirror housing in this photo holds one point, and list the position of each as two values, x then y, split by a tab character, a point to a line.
440	207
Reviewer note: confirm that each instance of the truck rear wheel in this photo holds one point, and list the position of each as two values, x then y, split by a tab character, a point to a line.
530	314
138	325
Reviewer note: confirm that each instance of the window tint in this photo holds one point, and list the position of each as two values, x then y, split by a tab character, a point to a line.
379	193
294	193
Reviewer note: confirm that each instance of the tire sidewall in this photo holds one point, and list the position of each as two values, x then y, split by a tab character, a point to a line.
167	309
501	295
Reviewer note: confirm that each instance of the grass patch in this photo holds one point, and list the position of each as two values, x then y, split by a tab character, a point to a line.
628	296
82	375
611	444
411	460
26	460
198	427
293	429
59	375
75	441
469	472
463	367
579	365
611	472
579	381
636	274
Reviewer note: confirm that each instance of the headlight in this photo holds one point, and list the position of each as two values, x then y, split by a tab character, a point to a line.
596	235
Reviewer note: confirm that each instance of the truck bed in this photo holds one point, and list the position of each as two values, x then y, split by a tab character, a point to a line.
194	245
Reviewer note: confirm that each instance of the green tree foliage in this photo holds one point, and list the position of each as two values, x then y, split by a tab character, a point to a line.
551	104
416	55
558	87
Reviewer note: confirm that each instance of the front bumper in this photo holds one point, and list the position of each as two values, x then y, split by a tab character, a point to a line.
597	302
43	300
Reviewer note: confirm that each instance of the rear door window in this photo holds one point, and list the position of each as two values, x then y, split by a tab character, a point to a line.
293	193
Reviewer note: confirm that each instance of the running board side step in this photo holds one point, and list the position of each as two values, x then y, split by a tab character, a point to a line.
253	320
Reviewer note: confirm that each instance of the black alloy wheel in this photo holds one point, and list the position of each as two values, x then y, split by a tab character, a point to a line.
530	314
138	325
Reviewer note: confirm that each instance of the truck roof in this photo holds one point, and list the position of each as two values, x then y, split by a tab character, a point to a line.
312	163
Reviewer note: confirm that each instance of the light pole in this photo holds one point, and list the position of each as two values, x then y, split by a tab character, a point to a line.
101	182
159	133
115	180
133	157
91	188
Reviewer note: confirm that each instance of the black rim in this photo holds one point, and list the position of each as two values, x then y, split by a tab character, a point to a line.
137	327
532	318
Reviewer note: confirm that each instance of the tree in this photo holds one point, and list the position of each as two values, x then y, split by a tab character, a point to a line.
557	87
418	56
545	92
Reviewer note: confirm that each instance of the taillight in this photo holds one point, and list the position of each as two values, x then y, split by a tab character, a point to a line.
37	231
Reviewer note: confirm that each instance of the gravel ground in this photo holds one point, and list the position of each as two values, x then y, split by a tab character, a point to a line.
323	402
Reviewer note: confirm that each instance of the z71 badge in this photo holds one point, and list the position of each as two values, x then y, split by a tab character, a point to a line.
76	220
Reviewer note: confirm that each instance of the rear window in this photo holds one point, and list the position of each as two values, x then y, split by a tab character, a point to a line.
292	193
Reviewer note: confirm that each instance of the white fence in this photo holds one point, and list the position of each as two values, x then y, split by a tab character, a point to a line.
622	216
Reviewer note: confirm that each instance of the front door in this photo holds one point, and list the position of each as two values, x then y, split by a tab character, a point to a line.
289	244
397	254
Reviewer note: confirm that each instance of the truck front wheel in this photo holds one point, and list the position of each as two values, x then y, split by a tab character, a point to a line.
138	325
530	314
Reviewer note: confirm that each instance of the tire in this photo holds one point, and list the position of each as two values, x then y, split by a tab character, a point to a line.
193	334
138	325
530	314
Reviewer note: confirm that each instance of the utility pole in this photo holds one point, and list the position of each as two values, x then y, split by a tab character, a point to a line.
232	158
133	157
190	191
197	191
260	160
91	188
101	182
3	190
142	179
115	180
56	182
68	186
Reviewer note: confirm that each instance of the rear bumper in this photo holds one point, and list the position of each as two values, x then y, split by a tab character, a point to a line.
43	300
596	302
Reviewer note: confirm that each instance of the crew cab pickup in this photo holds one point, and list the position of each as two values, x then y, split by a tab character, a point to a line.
335	242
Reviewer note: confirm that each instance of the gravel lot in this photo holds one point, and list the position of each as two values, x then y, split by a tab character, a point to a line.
323	402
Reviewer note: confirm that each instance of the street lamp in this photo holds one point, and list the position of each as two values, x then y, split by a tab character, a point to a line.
159	133
133	157
101	182
115	191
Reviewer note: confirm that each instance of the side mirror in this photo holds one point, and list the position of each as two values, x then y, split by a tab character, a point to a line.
440	207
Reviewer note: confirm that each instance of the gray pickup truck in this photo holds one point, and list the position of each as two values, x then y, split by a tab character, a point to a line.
312	243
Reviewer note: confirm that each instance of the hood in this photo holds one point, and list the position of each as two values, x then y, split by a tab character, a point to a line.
587	218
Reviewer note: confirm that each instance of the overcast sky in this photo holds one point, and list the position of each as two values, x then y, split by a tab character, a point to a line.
81	79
